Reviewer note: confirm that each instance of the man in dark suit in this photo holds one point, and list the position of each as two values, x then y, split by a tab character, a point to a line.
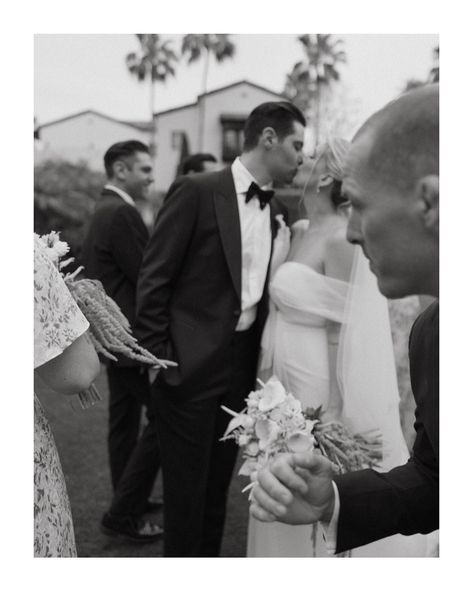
113	251
199	162
202	302
392	181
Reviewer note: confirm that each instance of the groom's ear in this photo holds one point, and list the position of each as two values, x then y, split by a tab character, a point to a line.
269	137
427	195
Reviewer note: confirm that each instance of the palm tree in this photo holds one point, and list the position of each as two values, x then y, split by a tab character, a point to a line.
311	78
154	62
434	74
195	46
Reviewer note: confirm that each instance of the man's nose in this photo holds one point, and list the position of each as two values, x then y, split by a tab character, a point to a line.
353	231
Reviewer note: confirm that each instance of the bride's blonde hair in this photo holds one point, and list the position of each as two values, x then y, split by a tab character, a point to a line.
334	150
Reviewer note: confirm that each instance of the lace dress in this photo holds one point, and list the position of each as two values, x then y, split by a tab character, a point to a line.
57	323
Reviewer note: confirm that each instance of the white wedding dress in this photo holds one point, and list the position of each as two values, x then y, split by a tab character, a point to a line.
295	347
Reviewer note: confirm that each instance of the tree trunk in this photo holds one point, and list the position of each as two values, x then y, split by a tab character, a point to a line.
202	109
152	143
317	117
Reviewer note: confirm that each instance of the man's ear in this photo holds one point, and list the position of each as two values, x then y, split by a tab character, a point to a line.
119	168
427	193
269	138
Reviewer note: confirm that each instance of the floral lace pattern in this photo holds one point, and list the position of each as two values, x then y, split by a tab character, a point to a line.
57	323
54	531
57	319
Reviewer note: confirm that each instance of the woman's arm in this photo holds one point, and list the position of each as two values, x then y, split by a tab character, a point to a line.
74	370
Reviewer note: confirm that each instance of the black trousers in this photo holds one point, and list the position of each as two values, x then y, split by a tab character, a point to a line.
134	459
197	466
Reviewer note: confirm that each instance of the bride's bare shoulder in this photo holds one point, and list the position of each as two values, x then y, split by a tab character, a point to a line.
299	227
339	255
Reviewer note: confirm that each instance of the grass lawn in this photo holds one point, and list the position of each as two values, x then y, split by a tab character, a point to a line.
81	441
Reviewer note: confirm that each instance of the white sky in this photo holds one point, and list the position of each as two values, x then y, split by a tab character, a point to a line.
76	72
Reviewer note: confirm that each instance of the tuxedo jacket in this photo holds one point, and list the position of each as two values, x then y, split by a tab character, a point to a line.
113	251
406	499
189	288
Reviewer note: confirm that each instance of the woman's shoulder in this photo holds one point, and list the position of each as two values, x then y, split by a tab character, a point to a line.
339	255
336	243
299	227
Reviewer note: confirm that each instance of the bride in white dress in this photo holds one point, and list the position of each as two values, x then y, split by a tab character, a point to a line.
327	339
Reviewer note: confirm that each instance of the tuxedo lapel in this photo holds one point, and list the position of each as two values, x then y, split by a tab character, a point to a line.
228	220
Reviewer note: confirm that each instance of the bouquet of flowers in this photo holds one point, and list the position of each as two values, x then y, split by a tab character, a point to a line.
273	422
110	331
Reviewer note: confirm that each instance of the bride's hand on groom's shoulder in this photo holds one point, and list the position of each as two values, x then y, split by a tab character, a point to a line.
281	246
295	489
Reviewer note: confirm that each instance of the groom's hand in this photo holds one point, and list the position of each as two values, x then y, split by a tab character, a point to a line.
295	489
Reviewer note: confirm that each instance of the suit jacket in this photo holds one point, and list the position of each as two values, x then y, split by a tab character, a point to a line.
113	252
189	288
406	499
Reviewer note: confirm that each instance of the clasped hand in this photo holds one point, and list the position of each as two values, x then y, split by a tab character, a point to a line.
294	489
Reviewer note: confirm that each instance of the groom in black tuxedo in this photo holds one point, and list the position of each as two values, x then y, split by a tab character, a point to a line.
392	181
202	301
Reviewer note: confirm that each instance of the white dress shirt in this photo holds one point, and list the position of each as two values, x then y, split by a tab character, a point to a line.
330	529
125	196
255	226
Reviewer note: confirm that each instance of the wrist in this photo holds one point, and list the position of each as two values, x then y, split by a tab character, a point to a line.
327	512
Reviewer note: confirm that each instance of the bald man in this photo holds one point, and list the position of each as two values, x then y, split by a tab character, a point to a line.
392	181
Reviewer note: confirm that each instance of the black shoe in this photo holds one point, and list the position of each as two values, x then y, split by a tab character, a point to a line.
131	529
153	506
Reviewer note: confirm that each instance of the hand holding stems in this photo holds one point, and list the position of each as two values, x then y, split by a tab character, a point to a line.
296	488
153	371
282	243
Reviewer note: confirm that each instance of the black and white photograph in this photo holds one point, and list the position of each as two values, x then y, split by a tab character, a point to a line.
236	295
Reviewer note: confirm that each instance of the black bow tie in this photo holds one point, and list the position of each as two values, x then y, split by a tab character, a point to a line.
263	196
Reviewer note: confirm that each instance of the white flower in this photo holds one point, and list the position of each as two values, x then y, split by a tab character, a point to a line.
243	440
252	449
299	442
235	422
276	415
291	406
267	432
248	467
272	394
61	248
248	422
55	247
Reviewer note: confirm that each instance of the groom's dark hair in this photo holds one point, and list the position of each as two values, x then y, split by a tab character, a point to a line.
278	115
120	151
